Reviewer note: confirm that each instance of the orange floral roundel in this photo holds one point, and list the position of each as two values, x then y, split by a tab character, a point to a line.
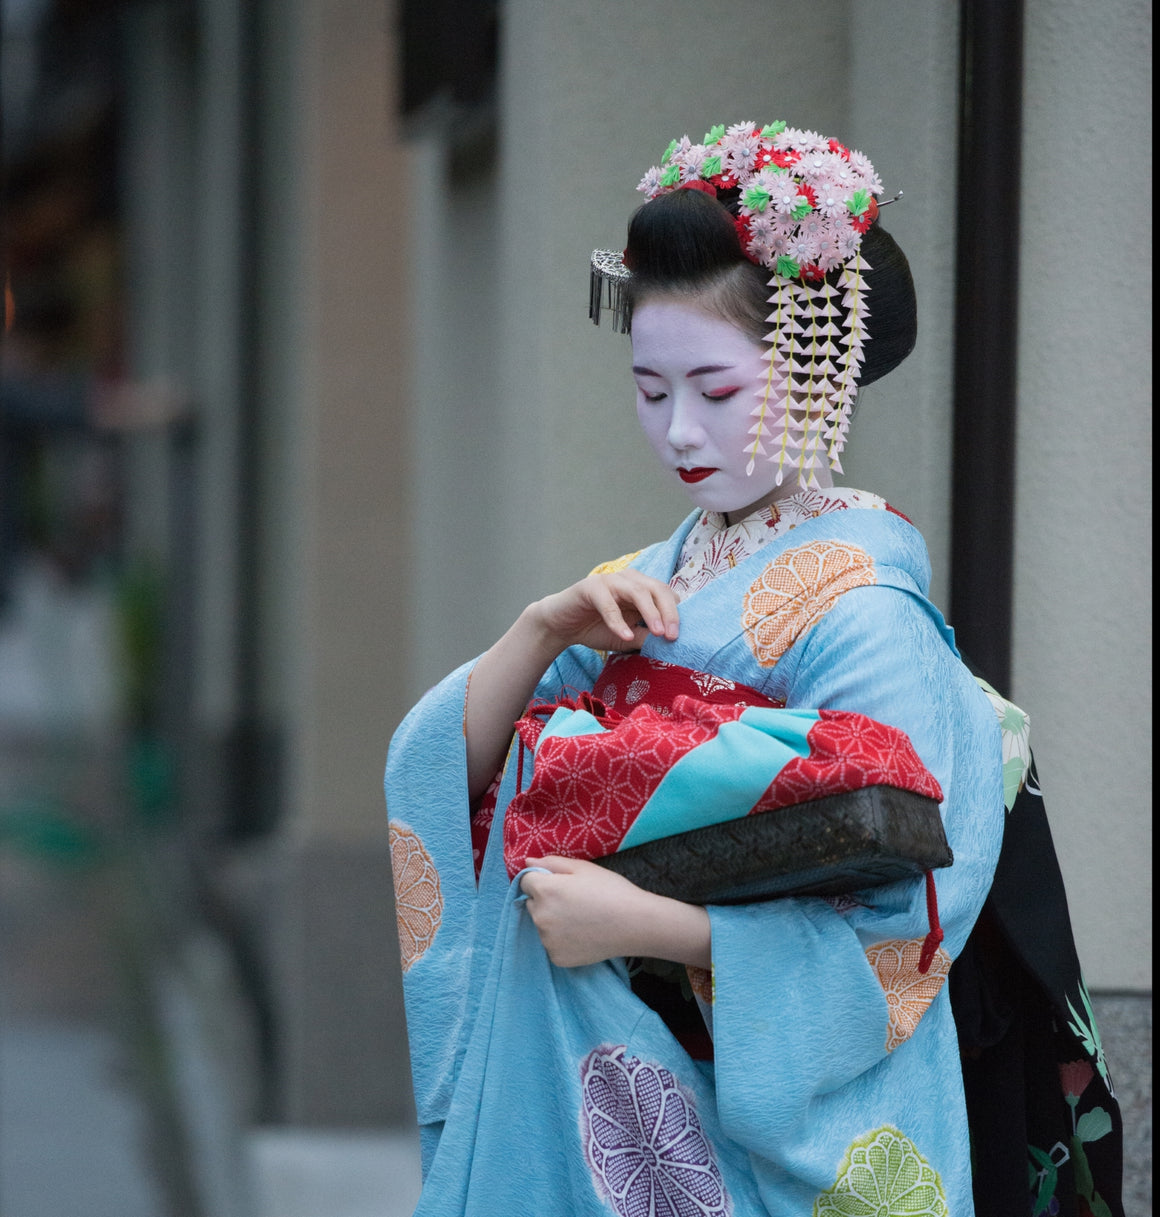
796	590
701	982
908	991
418	897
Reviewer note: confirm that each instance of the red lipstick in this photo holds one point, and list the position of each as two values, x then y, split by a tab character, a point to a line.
695	475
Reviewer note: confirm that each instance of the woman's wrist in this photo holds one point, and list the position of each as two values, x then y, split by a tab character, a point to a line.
536	637
662	928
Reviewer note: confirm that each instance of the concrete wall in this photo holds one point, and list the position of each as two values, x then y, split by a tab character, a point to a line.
528	409
1083	589
417	502
589	96
336	498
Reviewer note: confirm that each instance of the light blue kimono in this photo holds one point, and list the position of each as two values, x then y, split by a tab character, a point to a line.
836	1084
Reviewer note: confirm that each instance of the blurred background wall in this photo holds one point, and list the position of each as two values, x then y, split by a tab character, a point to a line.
301	406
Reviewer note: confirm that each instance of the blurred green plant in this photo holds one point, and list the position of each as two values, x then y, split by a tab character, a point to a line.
139	600
42	829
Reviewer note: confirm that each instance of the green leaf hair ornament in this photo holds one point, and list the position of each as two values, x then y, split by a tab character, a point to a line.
757	199
859	202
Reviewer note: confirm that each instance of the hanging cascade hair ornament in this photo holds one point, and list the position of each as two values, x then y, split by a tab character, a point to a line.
606	288
803	204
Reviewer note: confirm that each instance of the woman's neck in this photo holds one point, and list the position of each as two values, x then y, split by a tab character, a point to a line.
824	482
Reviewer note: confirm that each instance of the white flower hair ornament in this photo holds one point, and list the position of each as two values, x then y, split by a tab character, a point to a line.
803	205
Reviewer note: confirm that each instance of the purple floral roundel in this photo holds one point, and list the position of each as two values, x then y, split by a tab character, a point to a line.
643	1142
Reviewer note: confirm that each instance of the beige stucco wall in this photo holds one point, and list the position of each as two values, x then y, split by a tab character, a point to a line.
1083	593
526	420
337	403
554	475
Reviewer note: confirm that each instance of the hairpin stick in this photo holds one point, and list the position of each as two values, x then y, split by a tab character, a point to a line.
894	199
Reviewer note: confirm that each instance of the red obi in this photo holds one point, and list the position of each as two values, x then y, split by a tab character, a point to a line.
591	792
626	681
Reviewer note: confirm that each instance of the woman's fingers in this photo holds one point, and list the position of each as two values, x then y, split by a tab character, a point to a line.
605	611
652	599
606	604
658	608
555	863
534	882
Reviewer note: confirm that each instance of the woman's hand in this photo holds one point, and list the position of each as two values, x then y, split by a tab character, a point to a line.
608	612
586	914
591	612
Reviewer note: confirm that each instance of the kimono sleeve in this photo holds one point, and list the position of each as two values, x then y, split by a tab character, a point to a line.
434	876
811	994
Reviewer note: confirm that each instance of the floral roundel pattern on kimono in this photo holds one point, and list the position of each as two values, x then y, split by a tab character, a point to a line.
643	1141
418	896
884	1175
701	982
908	991
796	590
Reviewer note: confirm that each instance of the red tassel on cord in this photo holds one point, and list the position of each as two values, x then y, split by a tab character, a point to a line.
528	728
933	940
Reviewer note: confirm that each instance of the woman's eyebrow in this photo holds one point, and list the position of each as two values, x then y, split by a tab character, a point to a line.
703	371
710	367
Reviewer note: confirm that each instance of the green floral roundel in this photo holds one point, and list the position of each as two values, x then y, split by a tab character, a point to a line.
883	1175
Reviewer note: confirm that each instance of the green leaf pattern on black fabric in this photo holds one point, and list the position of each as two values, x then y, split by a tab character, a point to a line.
1042	1180
1093	1125
1085	1185
1089	1034
1016	733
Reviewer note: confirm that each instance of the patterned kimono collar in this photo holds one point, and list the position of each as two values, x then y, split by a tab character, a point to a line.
713	547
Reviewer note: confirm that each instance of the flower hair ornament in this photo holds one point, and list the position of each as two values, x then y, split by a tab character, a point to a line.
803	205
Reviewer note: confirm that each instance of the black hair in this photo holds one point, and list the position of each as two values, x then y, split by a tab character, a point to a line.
685	243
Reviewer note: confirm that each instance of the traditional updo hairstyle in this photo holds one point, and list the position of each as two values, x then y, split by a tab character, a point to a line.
684	244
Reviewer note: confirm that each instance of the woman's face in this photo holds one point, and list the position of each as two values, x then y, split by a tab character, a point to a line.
698	381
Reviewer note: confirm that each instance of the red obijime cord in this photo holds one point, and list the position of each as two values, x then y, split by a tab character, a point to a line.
933	940
543	710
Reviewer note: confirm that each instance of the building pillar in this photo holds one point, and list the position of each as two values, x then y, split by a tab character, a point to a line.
335	587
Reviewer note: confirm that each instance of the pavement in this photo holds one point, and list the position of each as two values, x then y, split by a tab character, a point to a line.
126	1053
74	1142
318	1173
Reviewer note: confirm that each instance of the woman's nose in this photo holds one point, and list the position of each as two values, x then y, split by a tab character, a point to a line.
685	430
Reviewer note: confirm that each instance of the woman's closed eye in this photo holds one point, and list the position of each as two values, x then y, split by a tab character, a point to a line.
653	397
721	394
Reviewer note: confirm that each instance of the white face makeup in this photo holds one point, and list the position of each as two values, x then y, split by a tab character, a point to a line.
698	378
